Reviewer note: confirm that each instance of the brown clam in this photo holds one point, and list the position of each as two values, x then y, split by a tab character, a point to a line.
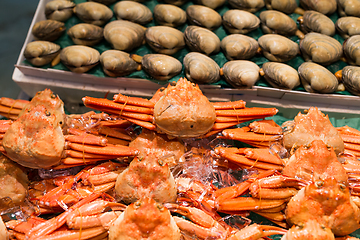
278	48
211	3
116	63
349	8
86	34
106	2
169	15
320	48
124	35
276	22
239	47
133	11
40	53
348	26
59	10
200	68
352	50
280	75
326	7
79	58
247	5
176	2
240	21
93	12
164	40
203	16
313	21
285	6
317	79
159	66
240	73
202	40
48	30
350	77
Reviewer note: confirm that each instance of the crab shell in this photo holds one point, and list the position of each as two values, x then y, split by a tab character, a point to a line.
183	111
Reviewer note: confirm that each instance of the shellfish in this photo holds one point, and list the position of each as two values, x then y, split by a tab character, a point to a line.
240	21
40	53
200	68
48	30
286	6
164	39
351	50
278	48
313	21
93	12
86	34
350	77
349	8
247	5
202	40
239	47
203	16
169	15
211	3
348	26
133	11
79	58
326	7
240	73
280	75
59	10
116	63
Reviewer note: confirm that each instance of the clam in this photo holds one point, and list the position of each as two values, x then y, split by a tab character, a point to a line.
280	75
348	26
240	73
176	2
133	11
59	10
239	21
203	16
202	40
278	48
200	68
350	77
40	53
211	3
286	6
86	34
239	47
93	12
169	15
317	79
105	2
352	50
159	66
79	58
117	63
247	5
313	21
164	40
276	22
124	35
349	8
320	48
48	30
326	7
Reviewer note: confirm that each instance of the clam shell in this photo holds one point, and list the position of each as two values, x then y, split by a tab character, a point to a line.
326	7
313	21
278	48
211	3
351	79
86	34
241	73
276	22
164	40
316	78
40	53
48	30
200	68
239	47
280	75
202	40
59	10
285	6
352	50
349	8
124	35
320	48
93	12
203	16
117	63
169	15
160	66
348	26
247	5
105	2
79	58
176	2
133	11
239	21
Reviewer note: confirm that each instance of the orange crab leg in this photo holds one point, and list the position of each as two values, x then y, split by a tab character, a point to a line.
9	112
73	162
111	150
270	193
220	126
350	138
133	101
87	233
263	154
352	152
18	103
87	139
231	192
117	141
4	125
115	123
248	203
113	132
229	105
265	126
239	134
346	130
246	112
143	124
255	231
232	119
352	146
83	155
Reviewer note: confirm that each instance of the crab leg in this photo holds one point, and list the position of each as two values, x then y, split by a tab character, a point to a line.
255	231
240	135
229	105
115	124
263	154
246	112
113	132
88	233
119	98
249	204
87	138
84	155
111	150
265	126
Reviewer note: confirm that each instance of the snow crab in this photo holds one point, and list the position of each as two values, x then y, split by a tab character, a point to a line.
179	111
40	138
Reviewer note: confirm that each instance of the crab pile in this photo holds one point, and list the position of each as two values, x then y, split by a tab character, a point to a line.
166	168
